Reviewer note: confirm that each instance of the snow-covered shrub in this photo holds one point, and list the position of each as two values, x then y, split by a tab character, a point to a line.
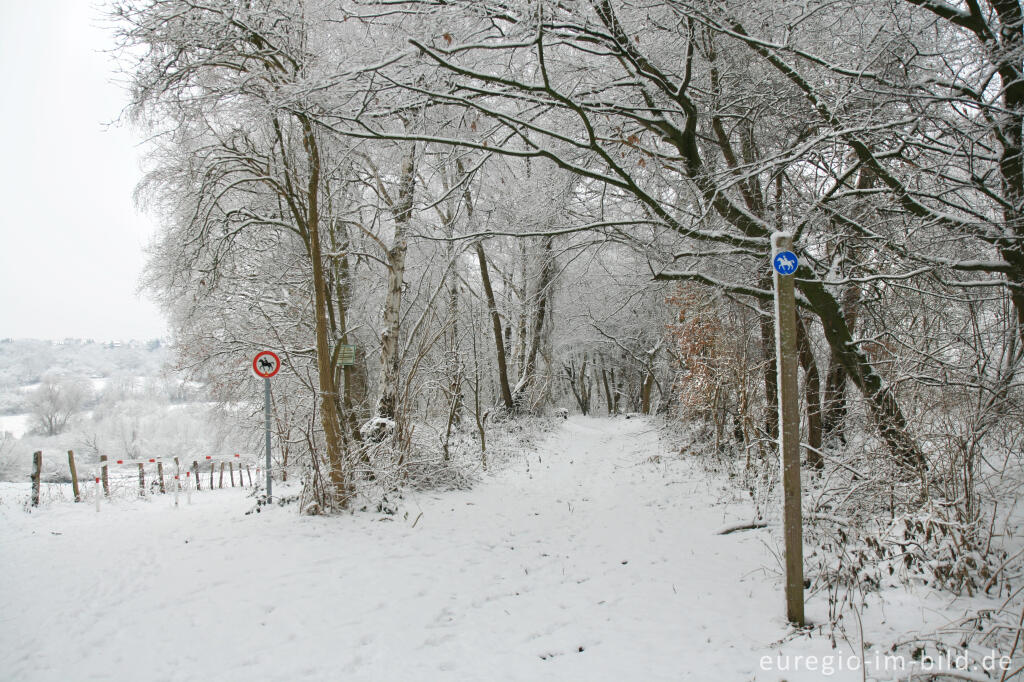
923	548
377	429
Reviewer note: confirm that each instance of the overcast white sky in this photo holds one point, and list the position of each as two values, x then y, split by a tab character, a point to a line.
71	243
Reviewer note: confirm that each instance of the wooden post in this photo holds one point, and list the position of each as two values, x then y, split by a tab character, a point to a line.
195	470
231	471
37	474
789	430
248	470
142	480
222	474
211	475
160	473
74	476
177	480
103	475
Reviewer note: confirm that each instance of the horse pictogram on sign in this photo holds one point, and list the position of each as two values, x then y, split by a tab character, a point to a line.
266	364
785	263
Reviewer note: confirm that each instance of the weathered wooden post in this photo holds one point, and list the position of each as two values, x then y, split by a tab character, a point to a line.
211	475
103	475
231	472
177	480
248	470
784	266
195	470
37	474
142	480
160	473
221	475
74	476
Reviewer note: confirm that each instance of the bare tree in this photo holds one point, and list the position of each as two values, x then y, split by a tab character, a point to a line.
56	400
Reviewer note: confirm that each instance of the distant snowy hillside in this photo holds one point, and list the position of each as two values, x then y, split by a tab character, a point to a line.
118	399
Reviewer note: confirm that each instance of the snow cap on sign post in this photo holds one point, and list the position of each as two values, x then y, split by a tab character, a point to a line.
784	262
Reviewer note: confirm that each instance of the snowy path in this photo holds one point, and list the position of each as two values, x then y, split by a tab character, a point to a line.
589	561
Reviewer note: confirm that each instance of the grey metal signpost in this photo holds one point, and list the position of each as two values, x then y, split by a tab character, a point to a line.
266	364
266	417
785	264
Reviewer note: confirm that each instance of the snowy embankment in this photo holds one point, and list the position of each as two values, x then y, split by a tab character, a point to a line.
594	558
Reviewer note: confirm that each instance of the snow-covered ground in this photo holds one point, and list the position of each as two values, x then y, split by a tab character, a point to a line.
16	424
594	558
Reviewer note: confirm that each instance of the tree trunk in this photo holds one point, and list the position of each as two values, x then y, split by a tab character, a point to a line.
387	404
607	390
645	391
834	410
812	395
885	410
492	306
771	396
833	419
522	343
499	343
454	368
618	389
333	434
579	384
547	275
453	364
343	295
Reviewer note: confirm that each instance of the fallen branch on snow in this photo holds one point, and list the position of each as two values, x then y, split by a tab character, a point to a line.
742	526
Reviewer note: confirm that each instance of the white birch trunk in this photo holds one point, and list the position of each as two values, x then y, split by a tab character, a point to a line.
387	403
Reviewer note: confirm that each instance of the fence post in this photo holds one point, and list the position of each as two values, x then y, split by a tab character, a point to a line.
248	470
177	480
142	480
221	475
103	475
97	492
74	476
37	472
195	469
211	475
160	473
231	471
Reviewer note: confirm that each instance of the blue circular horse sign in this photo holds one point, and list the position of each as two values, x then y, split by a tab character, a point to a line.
785	262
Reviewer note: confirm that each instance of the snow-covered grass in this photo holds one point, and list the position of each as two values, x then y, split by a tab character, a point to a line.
594	556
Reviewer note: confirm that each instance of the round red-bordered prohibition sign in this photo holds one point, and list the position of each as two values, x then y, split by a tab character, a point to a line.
266	364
